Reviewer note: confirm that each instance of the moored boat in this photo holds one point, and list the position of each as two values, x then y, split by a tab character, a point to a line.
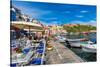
75	42
89	47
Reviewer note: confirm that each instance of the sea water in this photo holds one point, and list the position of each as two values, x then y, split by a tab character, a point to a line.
89	57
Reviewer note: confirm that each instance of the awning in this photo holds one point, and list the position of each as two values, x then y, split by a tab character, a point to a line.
26	25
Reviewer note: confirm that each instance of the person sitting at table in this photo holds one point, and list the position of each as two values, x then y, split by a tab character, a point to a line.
35	37
29	41
24	39
18	40
42	39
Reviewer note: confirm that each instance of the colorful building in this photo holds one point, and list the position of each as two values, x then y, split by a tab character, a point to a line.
55	29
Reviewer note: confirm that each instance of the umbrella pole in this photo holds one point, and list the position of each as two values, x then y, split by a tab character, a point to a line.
29	30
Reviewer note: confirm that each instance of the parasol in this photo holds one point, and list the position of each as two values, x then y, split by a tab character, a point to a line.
26	25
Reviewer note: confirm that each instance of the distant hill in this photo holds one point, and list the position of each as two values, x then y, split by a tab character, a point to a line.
79	28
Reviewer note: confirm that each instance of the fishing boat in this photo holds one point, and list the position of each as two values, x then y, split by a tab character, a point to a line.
89	47
75	42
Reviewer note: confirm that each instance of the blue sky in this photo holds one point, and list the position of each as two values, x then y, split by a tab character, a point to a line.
54	13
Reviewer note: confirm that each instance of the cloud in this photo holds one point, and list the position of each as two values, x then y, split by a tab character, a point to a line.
77	22
44	23
91	22
67	12
34	12
54	22
79	16
49	18
84	11
39	13
50	23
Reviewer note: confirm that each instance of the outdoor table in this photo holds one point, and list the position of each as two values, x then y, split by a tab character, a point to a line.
24	59
35	45
27	54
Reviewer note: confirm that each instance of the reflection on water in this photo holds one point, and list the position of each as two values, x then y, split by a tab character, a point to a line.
84	55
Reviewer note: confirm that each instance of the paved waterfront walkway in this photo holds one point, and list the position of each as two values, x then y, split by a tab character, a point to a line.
61	54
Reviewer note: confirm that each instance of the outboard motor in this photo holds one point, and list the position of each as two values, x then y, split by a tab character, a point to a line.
68	44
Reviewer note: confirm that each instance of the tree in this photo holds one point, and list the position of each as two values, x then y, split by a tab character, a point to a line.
79	28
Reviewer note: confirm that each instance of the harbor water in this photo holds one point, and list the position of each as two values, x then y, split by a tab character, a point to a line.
86	56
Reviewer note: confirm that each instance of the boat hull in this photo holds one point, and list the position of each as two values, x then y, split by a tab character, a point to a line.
73	44
87	49
62	41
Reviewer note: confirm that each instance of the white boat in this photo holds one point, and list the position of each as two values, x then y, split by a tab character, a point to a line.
75	42
89	47
61	39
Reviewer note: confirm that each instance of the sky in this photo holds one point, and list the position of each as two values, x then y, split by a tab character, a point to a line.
58	14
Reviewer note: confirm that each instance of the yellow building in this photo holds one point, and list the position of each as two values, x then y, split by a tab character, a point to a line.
55	29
